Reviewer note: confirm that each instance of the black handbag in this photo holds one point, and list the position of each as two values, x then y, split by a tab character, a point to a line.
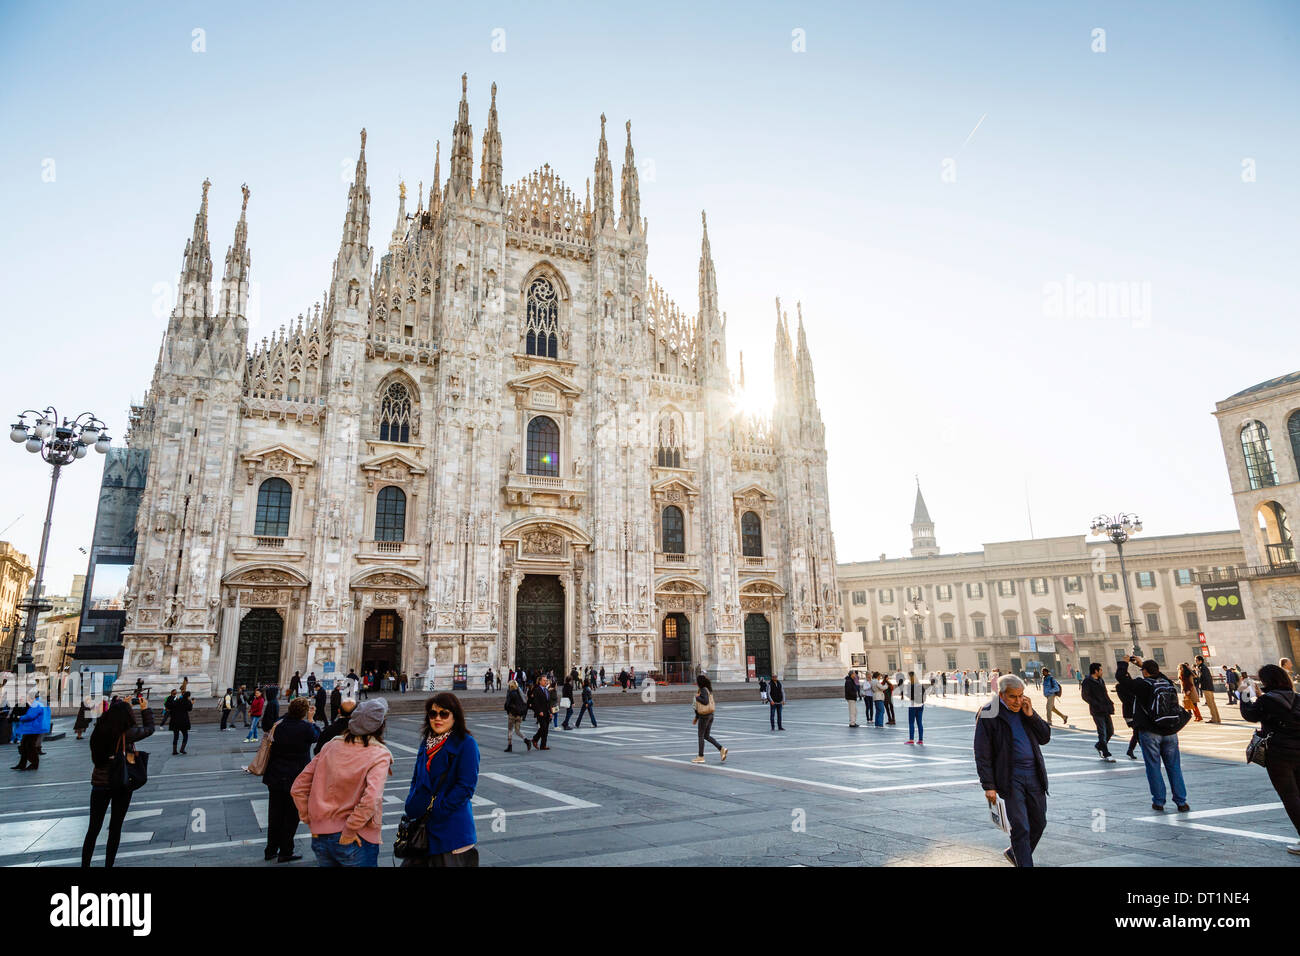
128	769
1257	749
412	837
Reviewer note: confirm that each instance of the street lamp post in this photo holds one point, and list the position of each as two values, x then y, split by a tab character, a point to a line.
914	612
1119	528
60	441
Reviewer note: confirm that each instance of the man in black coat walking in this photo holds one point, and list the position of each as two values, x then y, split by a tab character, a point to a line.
540	703
1008	758
321	700
1101	707
336	701
1205	684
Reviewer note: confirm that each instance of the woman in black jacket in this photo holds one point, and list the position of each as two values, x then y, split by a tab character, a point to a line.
1124	691
1278	713
290	752
516	711
115	730
180	711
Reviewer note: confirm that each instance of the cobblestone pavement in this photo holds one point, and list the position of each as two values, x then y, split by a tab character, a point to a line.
626	793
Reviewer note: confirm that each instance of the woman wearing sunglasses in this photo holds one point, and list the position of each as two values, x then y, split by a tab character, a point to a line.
445	777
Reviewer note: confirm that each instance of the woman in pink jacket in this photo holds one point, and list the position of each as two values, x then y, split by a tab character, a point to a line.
340	794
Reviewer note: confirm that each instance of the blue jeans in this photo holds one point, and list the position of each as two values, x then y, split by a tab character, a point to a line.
914	722
880	713
329	852
586	709
774	715
252	730
1027	814
1155	749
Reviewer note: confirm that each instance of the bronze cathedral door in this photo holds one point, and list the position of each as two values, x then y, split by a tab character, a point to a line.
539	625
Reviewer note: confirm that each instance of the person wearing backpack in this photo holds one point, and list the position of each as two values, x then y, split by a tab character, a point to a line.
1052	692
1157	717
115	731
516	710
1278	713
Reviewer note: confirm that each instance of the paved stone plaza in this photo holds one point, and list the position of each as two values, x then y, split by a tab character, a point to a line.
626	794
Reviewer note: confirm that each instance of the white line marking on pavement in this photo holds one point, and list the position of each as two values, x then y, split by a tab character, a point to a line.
261	811
60	833
1227	831
1221	812
542	791
409	750
152	777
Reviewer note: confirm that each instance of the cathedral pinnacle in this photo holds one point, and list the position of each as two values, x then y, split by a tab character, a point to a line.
461	183
196	272
708	278
234	284
356	224
604	211
489	181
630	222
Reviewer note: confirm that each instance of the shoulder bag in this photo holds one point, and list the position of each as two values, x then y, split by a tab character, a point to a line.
129	768
412	839
704	710
257	766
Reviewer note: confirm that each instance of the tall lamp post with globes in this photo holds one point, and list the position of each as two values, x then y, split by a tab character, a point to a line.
915	612
60	441
1119	528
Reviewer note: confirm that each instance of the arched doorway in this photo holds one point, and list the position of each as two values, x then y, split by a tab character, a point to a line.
676	648
381	650
257	659
758	644
539	624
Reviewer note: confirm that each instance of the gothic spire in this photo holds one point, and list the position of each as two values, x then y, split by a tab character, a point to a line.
489	181
783	361
630	222
461	183
234	285
356	225
924	544
804	383
604	212
435	190
196	273
708	278
399	229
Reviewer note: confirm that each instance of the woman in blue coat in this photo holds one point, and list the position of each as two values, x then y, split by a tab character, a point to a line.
445	777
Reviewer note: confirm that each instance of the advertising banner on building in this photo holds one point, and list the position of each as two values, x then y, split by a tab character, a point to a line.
1028	643
1223	602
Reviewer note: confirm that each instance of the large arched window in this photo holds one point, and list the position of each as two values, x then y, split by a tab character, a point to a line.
395	413
751	535
1293	428
543	447
674	531
542	319
273	500
1257	448
390	515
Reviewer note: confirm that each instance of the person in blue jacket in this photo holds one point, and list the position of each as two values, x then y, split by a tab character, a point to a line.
32	726
1052	692
445	777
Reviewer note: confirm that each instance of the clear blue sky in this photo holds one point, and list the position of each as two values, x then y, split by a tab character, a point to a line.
925	300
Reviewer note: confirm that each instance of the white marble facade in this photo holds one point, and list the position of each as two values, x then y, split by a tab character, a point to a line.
420	377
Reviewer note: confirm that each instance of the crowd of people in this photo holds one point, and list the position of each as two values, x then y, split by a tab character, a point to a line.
325	763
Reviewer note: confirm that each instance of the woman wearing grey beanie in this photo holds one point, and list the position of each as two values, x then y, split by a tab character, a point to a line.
340	795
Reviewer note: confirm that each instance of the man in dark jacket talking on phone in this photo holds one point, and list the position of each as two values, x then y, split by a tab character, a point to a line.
1008	735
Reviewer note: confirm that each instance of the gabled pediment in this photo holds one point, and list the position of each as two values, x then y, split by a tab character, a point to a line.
679	585
543	379
674	483
385	463
754	489
264	455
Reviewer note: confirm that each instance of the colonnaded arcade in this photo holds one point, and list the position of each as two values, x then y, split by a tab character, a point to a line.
499	443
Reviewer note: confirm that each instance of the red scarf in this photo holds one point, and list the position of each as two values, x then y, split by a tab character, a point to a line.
431	751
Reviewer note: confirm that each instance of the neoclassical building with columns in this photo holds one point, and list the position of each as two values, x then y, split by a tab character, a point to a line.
497	443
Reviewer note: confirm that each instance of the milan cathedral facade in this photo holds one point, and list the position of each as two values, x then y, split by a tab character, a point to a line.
498	443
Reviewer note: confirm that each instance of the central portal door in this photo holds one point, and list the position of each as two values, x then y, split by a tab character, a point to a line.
677	649
758	644
257	658
382	648
539	625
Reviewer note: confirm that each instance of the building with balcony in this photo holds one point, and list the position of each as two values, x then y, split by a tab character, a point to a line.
16	573
1255	618
1055	600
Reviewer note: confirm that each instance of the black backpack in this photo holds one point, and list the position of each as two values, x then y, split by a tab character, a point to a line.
1165	711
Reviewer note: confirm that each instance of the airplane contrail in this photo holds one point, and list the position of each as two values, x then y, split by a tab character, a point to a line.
972	133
